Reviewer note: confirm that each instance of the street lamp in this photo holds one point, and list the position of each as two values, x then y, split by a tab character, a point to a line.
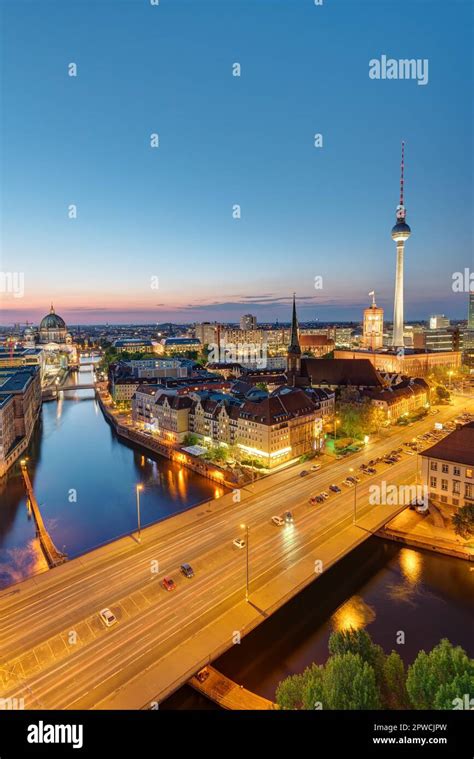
336	422
139	488
351	469
246	528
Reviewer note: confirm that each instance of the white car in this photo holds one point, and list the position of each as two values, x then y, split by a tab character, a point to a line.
315	467
107	617
278	521
239	542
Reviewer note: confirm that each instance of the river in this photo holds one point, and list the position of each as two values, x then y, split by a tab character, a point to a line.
84	479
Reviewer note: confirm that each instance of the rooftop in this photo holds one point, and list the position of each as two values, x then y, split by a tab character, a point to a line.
457	447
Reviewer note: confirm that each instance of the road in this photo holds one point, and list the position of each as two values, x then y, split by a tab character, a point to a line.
55	651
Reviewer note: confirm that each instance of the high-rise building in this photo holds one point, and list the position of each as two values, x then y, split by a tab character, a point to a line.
439	321
372	334
470	316
400	232
206	333
248	321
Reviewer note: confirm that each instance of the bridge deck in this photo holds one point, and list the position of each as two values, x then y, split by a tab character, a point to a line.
228	694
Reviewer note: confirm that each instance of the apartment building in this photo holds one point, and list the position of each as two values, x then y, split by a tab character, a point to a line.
447	468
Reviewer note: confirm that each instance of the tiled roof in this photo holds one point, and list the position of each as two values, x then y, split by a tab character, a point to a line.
457	446
358	372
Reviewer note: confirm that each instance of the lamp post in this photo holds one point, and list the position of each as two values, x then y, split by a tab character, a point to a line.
336	422
139	488
246	528
355	498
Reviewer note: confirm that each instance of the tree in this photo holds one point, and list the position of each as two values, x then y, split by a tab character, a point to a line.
463	521
349	683
358	416
442	394
395	694
191	439
289	693
435	677
360	643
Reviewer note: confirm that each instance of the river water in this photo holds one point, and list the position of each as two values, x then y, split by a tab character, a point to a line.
84	480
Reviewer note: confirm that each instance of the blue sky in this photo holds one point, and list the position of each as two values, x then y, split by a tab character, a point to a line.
224	140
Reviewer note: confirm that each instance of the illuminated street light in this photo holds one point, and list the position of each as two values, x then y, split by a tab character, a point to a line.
139	488
246	528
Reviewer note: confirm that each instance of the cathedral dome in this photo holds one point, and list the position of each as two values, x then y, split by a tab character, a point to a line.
52	321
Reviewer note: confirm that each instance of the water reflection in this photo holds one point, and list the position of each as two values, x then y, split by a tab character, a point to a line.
355	613
74	449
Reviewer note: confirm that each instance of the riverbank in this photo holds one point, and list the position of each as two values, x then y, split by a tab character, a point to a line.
430	532
206	469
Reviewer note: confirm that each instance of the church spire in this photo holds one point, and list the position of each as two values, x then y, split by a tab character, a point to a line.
293	356
294	346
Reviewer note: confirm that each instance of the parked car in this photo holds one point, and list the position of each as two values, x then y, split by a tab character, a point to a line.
348	482
324	495
335	488
239	542
168	583
107	617
315	467
304	472
187	570
278	521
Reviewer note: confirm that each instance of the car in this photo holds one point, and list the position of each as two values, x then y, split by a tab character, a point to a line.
168	583
238	542
319	499
324	495
354	479
371	470
421	507
187	570
304	472
335	488
107	617
348	482
202	675
315	467
288	516
278	521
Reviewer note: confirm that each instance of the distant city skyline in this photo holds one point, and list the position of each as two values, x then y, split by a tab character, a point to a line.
165	214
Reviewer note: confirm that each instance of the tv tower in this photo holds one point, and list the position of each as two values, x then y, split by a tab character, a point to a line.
400	232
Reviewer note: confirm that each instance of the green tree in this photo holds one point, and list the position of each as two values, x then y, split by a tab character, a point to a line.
289	693
463	521
360	643
394	693
191	439
442	394
434	677
349	683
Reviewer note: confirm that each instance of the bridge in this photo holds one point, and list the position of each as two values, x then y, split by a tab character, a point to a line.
162	639
53	556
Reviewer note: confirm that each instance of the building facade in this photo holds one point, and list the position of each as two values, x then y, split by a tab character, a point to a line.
447	468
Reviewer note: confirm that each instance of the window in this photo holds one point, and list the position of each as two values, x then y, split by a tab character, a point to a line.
444	484
444	499
433	482
456	487
434	466
469	490
469	473
455	501
445	468
457	471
